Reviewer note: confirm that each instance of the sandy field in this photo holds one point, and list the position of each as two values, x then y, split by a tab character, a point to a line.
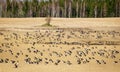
72	45
60	22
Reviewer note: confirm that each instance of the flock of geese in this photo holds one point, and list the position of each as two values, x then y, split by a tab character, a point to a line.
59	46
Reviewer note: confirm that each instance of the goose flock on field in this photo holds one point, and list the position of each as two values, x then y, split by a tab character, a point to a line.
59	46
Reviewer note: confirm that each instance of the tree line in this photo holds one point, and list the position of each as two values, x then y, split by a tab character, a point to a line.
61	8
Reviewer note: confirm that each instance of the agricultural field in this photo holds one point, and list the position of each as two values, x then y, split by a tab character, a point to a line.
70	45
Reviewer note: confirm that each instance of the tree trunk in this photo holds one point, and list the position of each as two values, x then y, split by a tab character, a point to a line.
116	9
58	9
53	8
65	5
104	10
101	12
95	10
69	9
0	10
84	8
77	8
81	9
119	8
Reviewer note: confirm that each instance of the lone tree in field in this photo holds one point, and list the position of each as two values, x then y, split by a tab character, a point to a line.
48	20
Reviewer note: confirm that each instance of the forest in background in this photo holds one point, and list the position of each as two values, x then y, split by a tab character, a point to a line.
60	8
